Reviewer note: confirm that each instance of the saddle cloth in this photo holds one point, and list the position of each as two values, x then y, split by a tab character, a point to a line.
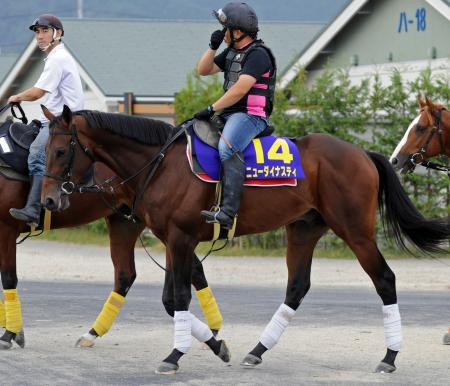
270	161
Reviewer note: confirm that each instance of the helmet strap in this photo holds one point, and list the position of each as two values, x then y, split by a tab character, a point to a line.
233	40
55	39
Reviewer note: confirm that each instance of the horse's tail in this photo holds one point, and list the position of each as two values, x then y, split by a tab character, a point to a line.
401	217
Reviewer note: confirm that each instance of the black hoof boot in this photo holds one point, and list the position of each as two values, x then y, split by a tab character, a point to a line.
224	352
446	339
387	364
251	361
166	368
6	340
169	366
20	339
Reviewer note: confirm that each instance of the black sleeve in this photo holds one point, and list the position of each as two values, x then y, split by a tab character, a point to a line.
257	63
219	60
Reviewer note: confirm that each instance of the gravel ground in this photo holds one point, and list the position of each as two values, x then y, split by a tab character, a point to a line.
336	337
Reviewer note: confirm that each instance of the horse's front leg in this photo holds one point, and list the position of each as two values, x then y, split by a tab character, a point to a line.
11	310
180	253
122	235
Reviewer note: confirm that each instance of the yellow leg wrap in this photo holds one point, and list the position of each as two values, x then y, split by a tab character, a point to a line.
2	315
210	308
13	311
110	310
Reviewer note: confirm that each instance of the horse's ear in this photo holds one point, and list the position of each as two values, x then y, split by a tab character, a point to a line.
47	113
429	103
67	114
420	102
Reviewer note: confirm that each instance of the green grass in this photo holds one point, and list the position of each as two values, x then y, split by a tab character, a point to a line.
83	235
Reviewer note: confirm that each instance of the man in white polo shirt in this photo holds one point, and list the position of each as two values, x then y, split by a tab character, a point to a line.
58	85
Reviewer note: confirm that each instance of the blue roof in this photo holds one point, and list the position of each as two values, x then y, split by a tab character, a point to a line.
153	58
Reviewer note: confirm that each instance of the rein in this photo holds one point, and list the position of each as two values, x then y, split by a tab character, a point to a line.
68	187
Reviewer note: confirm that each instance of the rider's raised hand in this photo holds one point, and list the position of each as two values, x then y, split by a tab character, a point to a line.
216	39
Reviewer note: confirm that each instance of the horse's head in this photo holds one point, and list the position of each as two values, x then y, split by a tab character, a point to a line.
423	139
67	159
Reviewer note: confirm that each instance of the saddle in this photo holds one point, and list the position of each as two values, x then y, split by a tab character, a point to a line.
209	131
15	141
270	161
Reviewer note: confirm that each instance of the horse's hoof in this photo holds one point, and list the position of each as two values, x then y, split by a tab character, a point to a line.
20	339
224	352
251	361
446	339
4	345
166	368
85	341
385	368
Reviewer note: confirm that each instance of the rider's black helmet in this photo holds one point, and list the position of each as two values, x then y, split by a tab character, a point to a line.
47	20
238	16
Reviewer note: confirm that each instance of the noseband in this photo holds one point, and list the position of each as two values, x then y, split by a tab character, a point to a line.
419	157
67	186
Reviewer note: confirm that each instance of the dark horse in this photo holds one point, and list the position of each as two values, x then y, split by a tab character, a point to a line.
342	187
428	135
84	208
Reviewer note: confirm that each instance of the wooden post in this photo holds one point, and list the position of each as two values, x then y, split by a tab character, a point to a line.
128	102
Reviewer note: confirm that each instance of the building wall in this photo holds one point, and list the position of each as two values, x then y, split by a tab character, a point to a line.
382	33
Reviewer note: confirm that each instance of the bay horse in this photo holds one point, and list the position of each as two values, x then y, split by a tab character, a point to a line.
341	190
84	209
427	136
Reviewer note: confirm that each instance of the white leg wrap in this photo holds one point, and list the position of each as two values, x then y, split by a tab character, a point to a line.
276	326
392	327
200	330
182	336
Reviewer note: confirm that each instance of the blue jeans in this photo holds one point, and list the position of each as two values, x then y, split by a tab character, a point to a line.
239	130
36	158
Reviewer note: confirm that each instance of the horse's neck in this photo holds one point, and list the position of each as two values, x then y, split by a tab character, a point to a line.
122	155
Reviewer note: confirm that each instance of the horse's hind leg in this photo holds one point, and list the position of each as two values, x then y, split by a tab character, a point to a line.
122	235
302	237
12	309
358	231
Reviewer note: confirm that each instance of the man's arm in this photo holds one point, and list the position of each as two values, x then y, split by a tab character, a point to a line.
31	94
206	65
235	93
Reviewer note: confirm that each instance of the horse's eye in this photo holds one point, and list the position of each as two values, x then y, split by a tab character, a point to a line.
421	129
60	153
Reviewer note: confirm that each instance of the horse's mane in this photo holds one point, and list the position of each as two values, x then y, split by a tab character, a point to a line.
145	130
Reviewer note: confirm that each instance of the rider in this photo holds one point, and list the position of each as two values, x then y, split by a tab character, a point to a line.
250	72
58	84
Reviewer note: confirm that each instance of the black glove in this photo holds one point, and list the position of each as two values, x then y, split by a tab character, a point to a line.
216	39
205	114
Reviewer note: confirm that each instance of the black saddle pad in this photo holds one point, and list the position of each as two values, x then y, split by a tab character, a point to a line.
15	141
209	131
24	135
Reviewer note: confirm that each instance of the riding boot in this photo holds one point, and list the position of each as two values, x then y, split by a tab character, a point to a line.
31	213
232	185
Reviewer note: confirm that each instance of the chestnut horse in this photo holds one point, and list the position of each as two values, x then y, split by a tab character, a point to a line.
340	192
85	208
428	135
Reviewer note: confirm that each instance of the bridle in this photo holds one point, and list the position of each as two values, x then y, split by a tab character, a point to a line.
419	157
67	186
